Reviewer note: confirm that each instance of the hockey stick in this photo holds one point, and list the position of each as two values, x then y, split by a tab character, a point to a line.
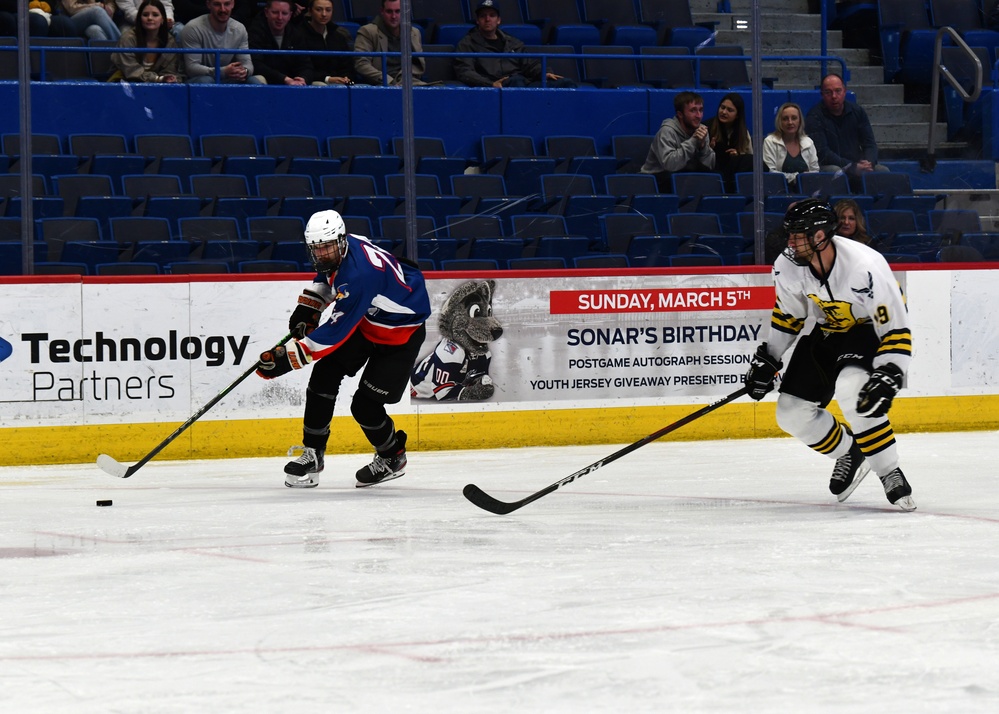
115	468
486	502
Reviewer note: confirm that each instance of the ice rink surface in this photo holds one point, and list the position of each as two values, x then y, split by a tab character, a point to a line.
684	577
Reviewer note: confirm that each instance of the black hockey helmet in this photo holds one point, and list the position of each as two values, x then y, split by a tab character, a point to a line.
809	216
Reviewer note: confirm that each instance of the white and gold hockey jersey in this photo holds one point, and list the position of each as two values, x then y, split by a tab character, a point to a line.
860	289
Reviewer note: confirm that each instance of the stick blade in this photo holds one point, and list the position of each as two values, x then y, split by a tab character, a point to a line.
486	502
112	467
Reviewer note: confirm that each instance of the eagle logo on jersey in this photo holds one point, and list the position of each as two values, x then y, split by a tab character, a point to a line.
838	313
869	290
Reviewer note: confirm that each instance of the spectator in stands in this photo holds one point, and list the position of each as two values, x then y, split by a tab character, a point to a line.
270	30
484	71
788	149
844	139
851	221
38	20
730	139
90	19
128	13
217	30
321	34
681	144
382	35
142	63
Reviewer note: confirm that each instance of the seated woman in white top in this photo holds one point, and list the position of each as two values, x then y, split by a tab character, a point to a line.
788	150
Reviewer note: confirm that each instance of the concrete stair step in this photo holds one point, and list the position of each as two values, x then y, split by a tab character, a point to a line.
902	113
777	22
808	75
793	42
912	135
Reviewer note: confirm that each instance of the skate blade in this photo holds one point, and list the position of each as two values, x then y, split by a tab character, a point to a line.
361	484
906	503
861	472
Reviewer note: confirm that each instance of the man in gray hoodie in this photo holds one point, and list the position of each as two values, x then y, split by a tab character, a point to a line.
681	144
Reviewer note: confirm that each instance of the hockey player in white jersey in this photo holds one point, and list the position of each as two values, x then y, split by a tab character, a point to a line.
858	352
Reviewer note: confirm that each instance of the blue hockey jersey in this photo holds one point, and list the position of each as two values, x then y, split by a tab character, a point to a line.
372	292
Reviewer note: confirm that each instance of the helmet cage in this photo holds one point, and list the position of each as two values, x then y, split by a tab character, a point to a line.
326	241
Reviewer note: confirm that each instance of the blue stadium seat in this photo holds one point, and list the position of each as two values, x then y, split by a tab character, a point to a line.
683	260
618	229
501	250
305	206
689	225
162	253
90	253
539	263
231	252
582	213
437	249
652	250
567	247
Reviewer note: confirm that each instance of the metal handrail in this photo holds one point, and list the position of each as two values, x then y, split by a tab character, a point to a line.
928	163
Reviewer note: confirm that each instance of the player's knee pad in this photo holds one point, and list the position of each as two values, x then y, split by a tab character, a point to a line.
793	413
366	411
851	380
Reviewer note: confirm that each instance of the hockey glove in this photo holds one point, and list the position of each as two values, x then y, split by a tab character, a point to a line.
281	360
762	373
305	318
477	388
875	396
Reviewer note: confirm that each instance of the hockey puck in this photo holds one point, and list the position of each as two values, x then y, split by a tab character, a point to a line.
104	503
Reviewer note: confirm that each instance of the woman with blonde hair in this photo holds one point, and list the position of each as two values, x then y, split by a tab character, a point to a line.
851	221
788	150
142	63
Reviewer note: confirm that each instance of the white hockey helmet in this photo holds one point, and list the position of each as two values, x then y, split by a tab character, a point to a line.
326	241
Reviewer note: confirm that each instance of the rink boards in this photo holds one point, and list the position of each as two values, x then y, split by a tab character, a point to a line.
115	365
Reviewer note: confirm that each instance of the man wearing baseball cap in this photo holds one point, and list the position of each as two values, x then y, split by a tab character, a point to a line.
484	71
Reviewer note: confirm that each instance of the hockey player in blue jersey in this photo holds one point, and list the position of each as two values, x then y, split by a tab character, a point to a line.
859	350
379	310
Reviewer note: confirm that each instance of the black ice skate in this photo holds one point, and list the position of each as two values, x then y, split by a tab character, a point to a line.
848	472
898	490
386	466
304	471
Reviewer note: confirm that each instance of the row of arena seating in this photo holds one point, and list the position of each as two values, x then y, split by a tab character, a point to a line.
671	21
642	239
631	59
537	21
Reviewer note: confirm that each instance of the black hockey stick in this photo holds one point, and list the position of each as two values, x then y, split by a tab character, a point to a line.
115	468
486	502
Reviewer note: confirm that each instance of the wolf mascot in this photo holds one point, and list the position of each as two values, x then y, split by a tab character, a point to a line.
458	367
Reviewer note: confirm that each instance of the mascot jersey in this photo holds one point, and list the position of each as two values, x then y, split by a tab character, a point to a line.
445	369
371	292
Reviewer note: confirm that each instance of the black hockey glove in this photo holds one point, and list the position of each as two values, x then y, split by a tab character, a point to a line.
762	373
875	396
305	318
281	360
477	388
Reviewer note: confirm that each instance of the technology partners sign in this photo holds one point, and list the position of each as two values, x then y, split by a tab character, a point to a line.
620	337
